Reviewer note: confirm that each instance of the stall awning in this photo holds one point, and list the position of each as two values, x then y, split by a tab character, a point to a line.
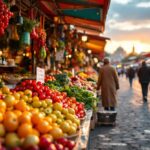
95	43
87	14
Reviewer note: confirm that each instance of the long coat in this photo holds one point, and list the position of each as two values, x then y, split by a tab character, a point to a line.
108	81
144	74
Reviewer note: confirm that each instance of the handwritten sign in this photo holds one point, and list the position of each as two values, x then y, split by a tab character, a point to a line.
40	74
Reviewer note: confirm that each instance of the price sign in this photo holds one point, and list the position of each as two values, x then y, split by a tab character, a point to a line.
40	74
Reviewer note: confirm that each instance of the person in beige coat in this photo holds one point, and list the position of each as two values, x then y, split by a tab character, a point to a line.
109	84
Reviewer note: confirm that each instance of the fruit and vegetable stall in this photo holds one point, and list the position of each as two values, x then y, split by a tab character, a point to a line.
34	115
47	82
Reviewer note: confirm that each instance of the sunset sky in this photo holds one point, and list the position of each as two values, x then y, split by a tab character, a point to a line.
128	24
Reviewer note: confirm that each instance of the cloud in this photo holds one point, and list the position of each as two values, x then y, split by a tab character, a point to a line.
128	12
128	25
116	15
123	2
142	35
143	5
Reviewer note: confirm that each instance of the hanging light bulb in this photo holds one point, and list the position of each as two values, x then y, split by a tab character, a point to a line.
84	37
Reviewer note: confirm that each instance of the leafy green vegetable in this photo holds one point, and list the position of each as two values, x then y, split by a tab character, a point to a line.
81	95
90	79
63	78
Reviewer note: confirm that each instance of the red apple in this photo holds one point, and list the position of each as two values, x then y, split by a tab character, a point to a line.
51	147
59	146
70	145
44	142
62	141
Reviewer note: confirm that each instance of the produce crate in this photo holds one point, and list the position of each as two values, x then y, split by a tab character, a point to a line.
106	117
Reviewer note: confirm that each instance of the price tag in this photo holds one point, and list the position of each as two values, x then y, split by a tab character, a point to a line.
40	74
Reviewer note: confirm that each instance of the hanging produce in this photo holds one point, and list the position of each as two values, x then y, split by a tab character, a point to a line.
5	15
39	36
26	29
42	53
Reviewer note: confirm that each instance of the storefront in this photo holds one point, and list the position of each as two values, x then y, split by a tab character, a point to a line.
47	50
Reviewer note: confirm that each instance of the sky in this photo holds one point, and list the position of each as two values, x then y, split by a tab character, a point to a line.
128	24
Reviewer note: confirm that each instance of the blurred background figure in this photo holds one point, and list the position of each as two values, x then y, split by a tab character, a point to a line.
144	79
131	75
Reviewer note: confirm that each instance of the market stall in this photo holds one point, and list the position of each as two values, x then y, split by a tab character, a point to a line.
47	82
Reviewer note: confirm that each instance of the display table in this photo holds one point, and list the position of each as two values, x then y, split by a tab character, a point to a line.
7	68
82	140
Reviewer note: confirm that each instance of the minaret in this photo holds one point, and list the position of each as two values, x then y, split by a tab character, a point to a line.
133	50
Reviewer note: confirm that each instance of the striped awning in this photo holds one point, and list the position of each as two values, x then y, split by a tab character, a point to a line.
87	14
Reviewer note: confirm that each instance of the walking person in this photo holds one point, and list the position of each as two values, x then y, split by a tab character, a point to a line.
131	75
109	84
144	79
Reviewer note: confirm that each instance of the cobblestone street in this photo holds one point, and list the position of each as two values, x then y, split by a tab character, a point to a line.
132	130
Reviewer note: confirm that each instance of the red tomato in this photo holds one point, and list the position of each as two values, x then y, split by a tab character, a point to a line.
42	96
23	83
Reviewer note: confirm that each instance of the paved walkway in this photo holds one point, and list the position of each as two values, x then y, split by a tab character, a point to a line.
132	130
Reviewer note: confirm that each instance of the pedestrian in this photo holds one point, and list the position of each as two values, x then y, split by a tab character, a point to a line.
130	75
109	84
144	79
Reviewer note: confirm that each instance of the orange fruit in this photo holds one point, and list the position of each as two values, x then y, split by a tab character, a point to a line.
2	130
12	140
43	126
35	132
17	95
10	100
36	117
54	117
49	119
35	98
21	93
56	132
28	93
31	141
24	130
34	110
5	90
9	108
1	117
55	125
2	104
25	98
65	126
10	121
21	105
48	136
17	112
25	117
2	110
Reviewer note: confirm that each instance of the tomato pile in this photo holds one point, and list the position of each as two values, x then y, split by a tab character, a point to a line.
5	15
44	92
